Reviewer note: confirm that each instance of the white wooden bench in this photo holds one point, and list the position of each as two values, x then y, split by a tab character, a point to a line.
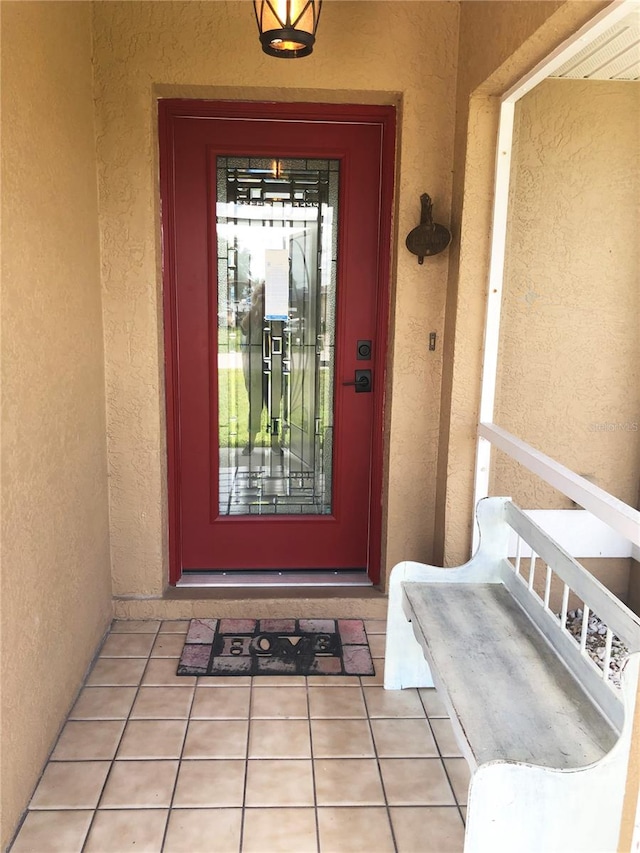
545	730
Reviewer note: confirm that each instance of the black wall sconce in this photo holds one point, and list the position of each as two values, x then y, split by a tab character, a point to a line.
428	238
287	28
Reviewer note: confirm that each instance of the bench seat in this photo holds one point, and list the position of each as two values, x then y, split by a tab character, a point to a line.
513	697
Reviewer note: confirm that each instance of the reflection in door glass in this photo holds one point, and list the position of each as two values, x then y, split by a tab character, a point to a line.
277	251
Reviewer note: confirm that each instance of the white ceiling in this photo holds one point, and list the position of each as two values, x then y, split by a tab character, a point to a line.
615	55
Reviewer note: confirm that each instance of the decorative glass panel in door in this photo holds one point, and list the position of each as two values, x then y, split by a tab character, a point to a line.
276	224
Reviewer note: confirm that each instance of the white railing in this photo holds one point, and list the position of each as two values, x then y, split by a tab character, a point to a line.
617	515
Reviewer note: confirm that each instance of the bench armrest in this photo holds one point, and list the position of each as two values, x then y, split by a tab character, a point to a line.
405	665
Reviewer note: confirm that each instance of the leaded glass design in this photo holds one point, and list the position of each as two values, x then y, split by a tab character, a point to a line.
277	230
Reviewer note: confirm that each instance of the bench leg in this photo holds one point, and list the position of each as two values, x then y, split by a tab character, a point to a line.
404	665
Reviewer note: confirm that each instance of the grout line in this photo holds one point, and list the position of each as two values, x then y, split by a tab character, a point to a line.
184	741
87	673
246	765
313	765
128	717
444	766
384	790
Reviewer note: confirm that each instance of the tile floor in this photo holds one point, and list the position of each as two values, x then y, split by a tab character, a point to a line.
149	761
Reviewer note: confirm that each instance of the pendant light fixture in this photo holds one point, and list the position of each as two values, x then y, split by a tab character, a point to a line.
287	27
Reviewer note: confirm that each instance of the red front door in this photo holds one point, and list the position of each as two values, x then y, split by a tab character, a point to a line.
276	223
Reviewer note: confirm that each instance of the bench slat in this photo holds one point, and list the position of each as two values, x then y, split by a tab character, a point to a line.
623	622
607	697
514	699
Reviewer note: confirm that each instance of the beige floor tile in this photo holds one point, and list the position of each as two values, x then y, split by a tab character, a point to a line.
431	829
168	646
333	680
445	738
141	830
279	831
280	782
377	645
403	738
161	672
355	830
218	783
70	785
458	771
82	740
224	681
375	626
279	739
226	703
341	739
53	832
116	672
393	703
127	646
103	703
348	782
415	782
148	739
139	785
162	703
135	626
279	703
203	830
336	702
432	702
378	678
216	739
279	681
174	626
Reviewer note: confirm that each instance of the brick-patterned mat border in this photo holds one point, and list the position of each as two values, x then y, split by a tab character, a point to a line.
276	647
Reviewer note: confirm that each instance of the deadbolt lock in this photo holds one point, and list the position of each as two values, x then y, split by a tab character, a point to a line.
363	351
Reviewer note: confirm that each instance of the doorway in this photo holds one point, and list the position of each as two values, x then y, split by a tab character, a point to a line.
276	227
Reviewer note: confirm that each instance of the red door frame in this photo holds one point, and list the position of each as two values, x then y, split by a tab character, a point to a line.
385	117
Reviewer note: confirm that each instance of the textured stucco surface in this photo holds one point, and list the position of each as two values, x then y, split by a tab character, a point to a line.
569	380
634	586
56	594
260	604
191	49
499	43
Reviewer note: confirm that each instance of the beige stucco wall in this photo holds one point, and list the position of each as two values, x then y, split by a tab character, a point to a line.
569	374
633	599
569	357
56	589
499	43
211	50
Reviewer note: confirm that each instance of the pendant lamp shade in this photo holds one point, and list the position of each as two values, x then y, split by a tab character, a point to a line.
287	27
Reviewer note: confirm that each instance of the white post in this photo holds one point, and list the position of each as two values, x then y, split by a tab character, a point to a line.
494	302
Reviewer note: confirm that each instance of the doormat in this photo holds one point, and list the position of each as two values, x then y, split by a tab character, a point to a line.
276	647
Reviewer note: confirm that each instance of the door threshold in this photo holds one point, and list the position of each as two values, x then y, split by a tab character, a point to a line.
262	578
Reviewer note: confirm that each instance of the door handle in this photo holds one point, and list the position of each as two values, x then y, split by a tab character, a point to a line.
362	382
